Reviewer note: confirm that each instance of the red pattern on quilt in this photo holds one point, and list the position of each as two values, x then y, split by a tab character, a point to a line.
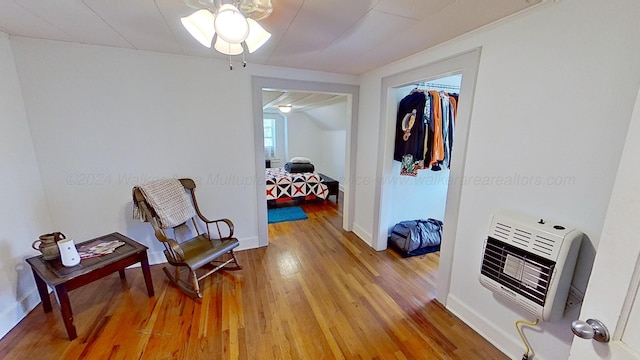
281	184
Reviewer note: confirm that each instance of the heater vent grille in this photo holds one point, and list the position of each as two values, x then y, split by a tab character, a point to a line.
502	231
544	245
519	271
521	237
529	239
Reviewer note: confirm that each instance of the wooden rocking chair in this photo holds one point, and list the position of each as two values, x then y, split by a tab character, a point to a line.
193	254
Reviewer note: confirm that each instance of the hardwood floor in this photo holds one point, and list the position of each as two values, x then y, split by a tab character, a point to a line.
316	292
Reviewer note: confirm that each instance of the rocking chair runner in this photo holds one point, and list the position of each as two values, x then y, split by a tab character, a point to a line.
195	253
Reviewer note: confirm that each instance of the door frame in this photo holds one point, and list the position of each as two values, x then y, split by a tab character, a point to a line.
260	83
613	289
467	64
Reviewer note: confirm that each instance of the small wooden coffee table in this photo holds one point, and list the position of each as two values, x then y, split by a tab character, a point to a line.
64	279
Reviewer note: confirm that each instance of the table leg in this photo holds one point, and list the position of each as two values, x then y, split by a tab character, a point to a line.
65	309
146	271
122	276
43	291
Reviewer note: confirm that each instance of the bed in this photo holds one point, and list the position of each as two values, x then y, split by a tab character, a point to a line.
284	186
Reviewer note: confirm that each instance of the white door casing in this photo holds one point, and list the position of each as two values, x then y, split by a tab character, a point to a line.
466	64
612	294
258	83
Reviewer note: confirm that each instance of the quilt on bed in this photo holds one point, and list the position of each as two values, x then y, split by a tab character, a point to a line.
282	184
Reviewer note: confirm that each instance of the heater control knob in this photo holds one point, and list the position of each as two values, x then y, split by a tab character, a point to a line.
590	329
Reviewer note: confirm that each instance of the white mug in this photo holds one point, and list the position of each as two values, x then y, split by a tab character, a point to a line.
68	252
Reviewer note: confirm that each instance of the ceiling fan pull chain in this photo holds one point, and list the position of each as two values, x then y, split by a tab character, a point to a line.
244	62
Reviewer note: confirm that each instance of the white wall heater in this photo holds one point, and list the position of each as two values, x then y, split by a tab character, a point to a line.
530	262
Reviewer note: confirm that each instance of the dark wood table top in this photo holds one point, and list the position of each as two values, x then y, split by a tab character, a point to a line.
54	273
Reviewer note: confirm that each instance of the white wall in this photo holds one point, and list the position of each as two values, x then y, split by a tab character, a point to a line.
325	147
540	111
105	119
421	197
332	123
24	214
332	154
302	137
331	116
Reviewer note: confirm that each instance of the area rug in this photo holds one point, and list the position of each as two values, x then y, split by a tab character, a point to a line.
292	213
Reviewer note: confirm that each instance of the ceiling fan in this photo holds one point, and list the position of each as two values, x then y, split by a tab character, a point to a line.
234	24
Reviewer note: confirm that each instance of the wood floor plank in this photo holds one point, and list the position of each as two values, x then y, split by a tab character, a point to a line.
316	292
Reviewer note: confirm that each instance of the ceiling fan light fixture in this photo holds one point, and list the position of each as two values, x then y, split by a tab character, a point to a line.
231	25
234	26
285	109
257	37
200	25
227	48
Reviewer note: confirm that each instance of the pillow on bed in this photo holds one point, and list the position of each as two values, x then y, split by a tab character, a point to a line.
300	160
298	168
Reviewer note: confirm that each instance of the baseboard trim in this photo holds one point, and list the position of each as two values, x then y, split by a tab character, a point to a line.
249	243
496	336
363	234
155	258
12	316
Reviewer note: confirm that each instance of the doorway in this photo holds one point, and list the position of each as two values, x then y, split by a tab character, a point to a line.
259	84
466	65
424	195
313	126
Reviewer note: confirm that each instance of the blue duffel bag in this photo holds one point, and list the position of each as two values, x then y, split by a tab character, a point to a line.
416	237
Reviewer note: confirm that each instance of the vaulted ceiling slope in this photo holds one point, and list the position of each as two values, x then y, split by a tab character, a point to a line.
341	36
299	100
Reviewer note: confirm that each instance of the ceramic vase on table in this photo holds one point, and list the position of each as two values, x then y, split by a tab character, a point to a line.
68	252
47	245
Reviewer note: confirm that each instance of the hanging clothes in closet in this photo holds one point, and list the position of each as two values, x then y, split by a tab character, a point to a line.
440	120
410	131
435	131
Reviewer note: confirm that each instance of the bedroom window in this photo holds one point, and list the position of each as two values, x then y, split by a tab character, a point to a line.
269	138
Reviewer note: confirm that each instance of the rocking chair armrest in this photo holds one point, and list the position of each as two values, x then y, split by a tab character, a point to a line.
191	186
175	251
172	247
216	222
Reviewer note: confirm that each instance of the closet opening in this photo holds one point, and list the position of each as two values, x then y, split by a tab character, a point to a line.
389	202
419	179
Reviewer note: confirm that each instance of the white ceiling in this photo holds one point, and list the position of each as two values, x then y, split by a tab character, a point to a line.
341	36
299	100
